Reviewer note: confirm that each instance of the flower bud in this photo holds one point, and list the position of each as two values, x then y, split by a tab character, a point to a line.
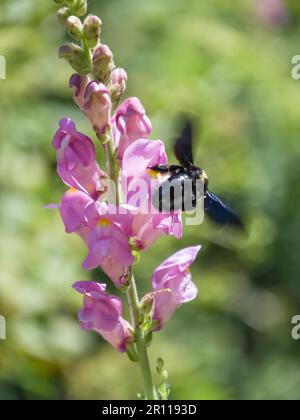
75	56
118	80
78	7
92	30
146	305
74	27
146	310
97	106
103	63
78	83
63	14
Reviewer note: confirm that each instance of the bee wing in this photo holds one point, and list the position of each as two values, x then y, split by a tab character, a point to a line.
219	212
183	145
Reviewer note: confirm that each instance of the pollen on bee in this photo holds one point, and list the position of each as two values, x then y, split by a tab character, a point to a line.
205	178
153	174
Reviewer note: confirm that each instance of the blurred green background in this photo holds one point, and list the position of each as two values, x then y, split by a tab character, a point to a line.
229	66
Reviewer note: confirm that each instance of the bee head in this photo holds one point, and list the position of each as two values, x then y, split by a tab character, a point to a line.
201	174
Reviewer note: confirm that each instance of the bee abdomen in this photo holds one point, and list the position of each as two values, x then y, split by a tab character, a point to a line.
179	192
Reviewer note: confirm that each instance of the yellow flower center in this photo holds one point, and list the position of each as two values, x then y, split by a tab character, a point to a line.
72	190
105	223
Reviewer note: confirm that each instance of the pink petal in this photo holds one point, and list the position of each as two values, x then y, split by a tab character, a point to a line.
105	316
86	287
178	262
142	154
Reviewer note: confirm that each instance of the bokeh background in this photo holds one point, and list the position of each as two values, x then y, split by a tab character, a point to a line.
227	62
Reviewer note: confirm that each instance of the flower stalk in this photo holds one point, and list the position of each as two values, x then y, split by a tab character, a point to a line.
88	54
141	344
132	295
113	167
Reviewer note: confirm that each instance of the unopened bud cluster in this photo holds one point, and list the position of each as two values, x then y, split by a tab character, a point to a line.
87	54
74	7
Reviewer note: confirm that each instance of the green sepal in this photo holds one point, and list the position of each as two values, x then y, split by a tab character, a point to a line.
148	338
163	388
131	353
78	7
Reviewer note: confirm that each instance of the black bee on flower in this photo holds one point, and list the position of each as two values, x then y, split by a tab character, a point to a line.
188	184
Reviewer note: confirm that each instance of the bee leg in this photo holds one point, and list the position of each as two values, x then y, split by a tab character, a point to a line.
162	169
176	169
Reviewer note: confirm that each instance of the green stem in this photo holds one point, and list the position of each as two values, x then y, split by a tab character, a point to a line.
113	168
132	295
141	346
144	362
88	55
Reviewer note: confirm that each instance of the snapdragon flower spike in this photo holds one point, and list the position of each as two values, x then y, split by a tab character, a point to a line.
172	285
109	248
103	313
130	123
76	159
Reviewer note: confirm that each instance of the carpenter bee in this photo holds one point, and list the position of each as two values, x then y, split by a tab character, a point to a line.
188	184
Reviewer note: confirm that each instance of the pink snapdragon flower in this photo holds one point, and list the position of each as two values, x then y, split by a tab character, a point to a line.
109	248
138	157
104	231
76	159
172	285
103	313
148	225
94	99
130	123
97	105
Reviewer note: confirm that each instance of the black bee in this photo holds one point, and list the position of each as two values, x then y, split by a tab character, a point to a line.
185	180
